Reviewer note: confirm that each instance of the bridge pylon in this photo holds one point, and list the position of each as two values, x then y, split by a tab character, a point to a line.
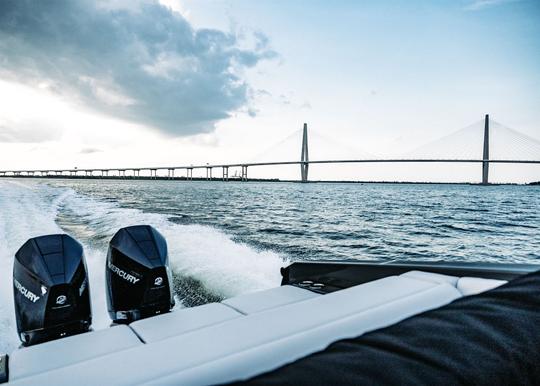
485	156
304	157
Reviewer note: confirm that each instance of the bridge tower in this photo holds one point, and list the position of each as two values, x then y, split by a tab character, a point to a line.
304	158
485	165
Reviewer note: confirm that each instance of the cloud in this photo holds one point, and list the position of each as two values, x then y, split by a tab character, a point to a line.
477	5
135	60
90	150
24	133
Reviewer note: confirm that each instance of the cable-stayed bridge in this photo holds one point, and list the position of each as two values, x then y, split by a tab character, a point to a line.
486	142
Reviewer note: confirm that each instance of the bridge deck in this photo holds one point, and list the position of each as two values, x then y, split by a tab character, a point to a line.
251	164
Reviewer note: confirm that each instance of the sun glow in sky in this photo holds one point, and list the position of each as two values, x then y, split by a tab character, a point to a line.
147	83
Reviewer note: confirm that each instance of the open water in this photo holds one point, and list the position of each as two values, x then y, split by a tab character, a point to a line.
230	238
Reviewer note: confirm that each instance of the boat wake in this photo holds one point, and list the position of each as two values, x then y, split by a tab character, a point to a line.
207	264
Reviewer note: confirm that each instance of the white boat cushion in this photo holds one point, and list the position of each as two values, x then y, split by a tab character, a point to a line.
248	345
181	321
274	354
63	352
267	299
434	277
474	285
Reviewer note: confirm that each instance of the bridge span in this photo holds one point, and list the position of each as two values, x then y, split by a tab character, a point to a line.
304	163
171	170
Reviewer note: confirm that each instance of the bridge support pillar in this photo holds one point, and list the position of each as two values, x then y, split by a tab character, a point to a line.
304	157
208	173
189	174
225	173
485	157
244	173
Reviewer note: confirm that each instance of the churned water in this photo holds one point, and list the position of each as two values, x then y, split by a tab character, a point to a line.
230	238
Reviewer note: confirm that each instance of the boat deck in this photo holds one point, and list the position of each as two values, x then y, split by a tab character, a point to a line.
252	333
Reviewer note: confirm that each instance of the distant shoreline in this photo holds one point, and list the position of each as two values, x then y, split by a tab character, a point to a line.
238	179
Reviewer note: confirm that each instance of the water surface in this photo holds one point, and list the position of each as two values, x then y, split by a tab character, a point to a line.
230	238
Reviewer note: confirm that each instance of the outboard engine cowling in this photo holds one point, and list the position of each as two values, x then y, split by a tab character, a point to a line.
138	278
51	291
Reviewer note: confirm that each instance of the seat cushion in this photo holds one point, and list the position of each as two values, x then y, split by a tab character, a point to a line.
267	299
181	321
434	277
251	344
491	339
475	285
43	357
277	352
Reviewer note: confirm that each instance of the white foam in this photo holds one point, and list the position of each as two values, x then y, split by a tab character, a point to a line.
30	208
24	213
201	252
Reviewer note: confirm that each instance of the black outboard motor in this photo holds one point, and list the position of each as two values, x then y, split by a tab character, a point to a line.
51	291
137	274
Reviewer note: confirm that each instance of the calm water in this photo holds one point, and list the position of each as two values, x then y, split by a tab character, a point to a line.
230	238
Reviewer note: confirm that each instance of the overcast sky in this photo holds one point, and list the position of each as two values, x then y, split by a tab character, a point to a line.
119	83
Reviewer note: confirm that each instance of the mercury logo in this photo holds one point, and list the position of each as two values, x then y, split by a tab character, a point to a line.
25	291
123	274
158	281
61	300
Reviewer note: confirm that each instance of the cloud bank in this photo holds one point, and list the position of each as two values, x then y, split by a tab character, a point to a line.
135	60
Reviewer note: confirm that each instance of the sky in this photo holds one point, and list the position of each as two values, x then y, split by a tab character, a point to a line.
176	82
